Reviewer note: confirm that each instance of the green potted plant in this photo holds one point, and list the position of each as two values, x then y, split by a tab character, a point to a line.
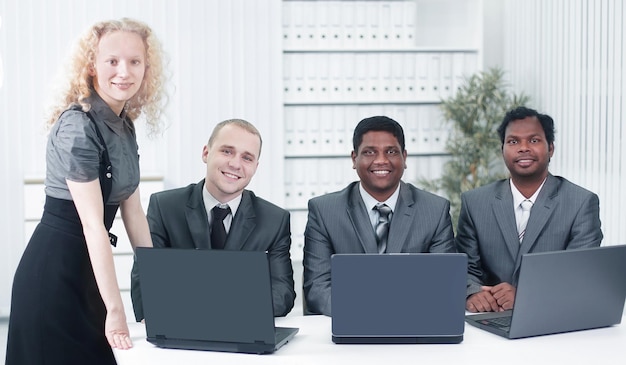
475	112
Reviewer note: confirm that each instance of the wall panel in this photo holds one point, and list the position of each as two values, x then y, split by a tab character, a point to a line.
569	57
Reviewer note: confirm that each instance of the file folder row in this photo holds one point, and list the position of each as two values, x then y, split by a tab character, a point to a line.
348	24
326	130
375	76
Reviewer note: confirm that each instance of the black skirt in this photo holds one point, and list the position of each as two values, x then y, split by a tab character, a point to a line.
57	314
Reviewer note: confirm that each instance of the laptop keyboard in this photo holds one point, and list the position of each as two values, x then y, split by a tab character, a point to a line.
500	322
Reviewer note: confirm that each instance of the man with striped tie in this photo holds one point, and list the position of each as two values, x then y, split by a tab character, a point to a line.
378	214
533	211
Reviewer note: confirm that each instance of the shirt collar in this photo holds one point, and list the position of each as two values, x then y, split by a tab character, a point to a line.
210	202
518	198
370	202
105	113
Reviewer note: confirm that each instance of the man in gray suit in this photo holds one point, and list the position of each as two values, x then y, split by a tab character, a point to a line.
345	221
181	217
492	230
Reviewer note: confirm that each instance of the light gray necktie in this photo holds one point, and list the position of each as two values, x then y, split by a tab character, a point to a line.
521	230
382	227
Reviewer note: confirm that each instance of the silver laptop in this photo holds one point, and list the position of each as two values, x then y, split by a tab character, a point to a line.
209	300
398	298
563	291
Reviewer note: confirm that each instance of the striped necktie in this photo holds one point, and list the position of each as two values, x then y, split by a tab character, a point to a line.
525	205
382	227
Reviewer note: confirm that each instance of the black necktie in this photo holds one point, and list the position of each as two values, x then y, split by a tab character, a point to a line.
218	231
382	227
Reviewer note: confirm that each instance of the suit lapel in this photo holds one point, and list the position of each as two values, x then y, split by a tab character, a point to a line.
505	217
243	223
357	213
196	217
401	221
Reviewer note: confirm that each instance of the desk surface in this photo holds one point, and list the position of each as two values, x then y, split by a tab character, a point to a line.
313	345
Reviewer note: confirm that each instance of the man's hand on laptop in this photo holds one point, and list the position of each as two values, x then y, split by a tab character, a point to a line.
483	301
496	298
504	293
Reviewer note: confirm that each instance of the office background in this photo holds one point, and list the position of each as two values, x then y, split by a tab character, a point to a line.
279	65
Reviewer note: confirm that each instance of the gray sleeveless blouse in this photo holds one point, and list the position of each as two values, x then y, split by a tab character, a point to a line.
73	151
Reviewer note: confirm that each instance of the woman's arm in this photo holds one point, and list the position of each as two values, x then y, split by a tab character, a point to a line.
135	221
88	200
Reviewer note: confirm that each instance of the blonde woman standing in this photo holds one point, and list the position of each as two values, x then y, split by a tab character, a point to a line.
66	306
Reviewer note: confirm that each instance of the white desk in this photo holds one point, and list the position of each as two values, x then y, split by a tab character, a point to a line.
313	345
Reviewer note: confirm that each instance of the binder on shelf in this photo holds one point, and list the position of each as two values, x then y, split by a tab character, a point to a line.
422	77
325	171
312	187
464	64
426	129
410	17
446	76
458	70
327	145
309	9
348	15
348	62
440	129
290	113
361	76
336	31
342	141
360	24
322	69
288	32
399	83
336	82
413	130
311	139
399	114
410	84
372	92
289	185
300	186
296	12
311	73
352	118
298	82
385	31
398	29
301	131
434	72
322	24
372	14
387	73
288	80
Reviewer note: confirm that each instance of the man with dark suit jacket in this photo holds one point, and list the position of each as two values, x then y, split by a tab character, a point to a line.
492	230
182	218
345	221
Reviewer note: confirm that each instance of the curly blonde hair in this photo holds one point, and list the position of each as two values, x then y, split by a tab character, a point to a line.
151	97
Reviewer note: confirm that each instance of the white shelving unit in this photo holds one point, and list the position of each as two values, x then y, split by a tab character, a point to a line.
347	60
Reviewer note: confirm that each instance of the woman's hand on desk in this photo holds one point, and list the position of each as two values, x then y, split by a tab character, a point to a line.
116	330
